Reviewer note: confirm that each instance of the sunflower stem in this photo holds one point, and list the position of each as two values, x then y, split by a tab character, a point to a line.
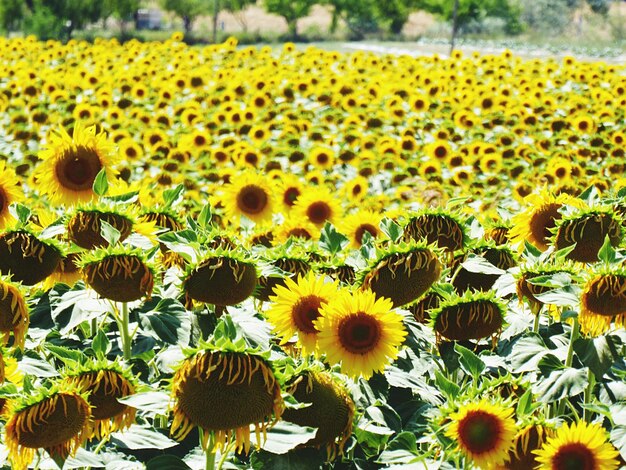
537	312
125	334
587	413
569	358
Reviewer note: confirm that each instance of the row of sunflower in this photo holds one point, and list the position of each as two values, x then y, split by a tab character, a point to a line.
349	256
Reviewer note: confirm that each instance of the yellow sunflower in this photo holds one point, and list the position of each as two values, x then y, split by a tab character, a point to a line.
484	432
70	164
250	195
355	225
295	307
9	193
534	224
581	446
318	207
360	331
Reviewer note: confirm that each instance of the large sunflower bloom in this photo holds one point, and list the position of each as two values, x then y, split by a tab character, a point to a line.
70	164
9	193
295	307
249	195
360	331
484	432
318	207
581	446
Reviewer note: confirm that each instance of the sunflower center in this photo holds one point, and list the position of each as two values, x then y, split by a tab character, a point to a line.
574	456
360	232
3	201
542	221
252	199
305	312
290	195
359	333
480	432
318	212
77	169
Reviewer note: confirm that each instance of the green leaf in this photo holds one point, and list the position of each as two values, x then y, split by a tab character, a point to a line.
446	386
390	228
478	264
285	436
67	354
165	319
618	439
109	233
607	252
170	462
300	459
204	219
331	240
101	183
37	367
402	450
21	212
527	352
101	344
82	459
154	402
599	354
531	250
559	382
469	362
172	195
562	297
526	405
139	437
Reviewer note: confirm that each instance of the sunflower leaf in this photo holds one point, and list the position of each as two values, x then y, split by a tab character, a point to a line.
20	212
331	240
171	462
599	353
559	381
101	183
470	362
402	450
204	218
139	437
155	402
101	344
390	228
285	436
478	264
618	439
446	386
109	233
172	195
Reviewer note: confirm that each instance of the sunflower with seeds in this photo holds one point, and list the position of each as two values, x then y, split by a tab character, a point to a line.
9	193
250	195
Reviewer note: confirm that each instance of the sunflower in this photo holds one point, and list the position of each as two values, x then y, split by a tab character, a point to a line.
67	272
288	263
331	410
9	192
528	439
14	316
534	224
250	195
603	300
436	226
297	228
357	224
55	419
212	381
70	164
484	432
581	446
27	258
290	189
361	331
105	382
295	307
317	207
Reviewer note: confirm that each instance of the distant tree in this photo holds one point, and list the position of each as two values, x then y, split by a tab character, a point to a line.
54	18
291	11
188	10
11	14
236	8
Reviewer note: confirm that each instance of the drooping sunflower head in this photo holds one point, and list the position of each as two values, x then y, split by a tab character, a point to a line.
67	272
55	419
119	273
223	277
84	226
250	195
402	273
588	229
361	331
296	304
535	223
26	257
10	192
317	207
528	439
498	232
14	316
338	270
603	301
472	316
501	257
424	305
358	223
331	410
531	281
279	264
70	164
223	393
105	382
581	446
437	226
483	432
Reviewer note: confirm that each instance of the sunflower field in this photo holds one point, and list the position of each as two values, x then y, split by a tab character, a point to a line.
253	258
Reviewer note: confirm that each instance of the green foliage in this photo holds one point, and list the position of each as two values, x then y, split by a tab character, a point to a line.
11	14
291	11
188	10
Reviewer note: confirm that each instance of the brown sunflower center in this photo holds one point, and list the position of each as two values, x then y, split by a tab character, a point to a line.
300	233
480	432
361	229
290	195
252	199
305	312
3	200
359	333
574	456
77	169
542	221
319	212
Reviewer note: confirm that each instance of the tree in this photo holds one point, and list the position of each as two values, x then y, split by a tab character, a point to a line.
188	10
54	18
291	10
236	8
11	14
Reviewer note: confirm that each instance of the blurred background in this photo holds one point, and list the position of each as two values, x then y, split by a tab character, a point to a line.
594	27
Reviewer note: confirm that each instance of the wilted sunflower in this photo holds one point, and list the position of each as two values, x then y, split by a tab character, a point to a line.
295	307
475	315
534	224
118	273
27	258
603	300
67	272
9	193
14	315
587	230
288	263
483	432
436	226
528	285
105	382
403	273
223	278
581	446
501	257
223	393
70	164
56	420
421	308
361	331
317	206
528	439
250	195
331	410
